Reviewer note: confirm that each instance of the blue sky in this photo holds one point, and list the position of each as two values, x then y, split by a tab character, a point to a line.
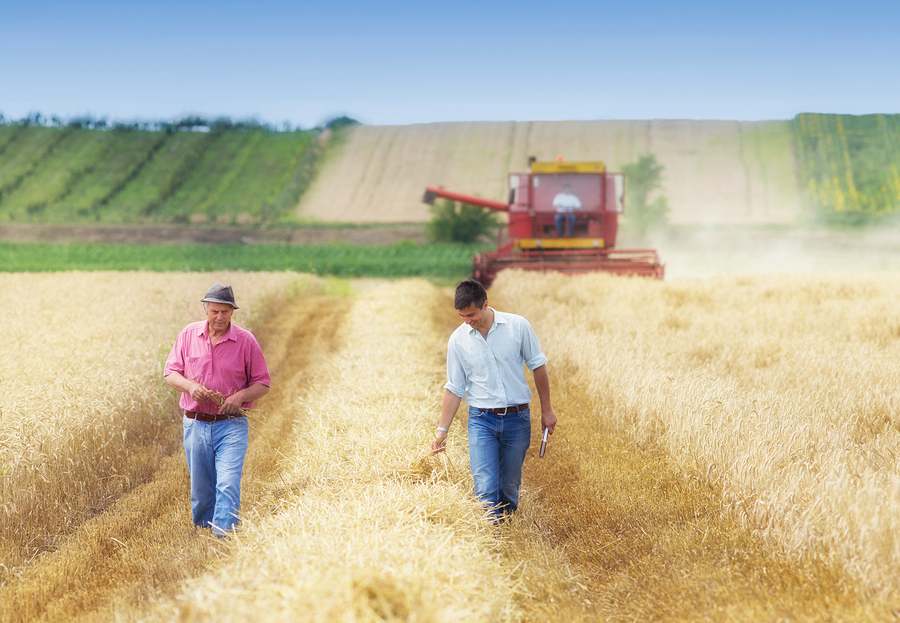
416	62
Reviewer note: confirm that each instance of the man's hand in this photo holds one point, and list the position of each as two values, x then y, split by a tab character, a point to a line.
235	402
449	406
548	420
186	386
199	393
231	406
440	442
542	383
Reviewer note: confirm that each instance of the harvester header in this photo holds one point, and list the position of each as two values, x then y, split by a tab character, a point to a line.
563	216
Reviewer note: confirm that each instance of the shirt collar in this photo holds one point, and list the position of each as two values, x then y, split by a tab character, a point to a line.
204	331
499	318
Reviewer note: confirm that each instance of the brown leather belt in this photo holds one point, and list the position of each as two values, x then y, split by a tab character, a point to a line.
208	417
505	410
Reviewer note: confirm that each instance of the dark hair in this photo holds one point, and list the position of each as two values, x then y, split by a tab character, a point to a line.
469	292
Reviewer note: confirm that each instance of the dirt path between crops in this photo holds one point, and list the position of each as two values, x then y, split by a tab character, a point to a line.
145	546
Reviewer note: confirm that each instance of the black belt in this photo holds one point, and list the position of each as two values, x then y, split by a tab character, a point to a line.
505	410
209	417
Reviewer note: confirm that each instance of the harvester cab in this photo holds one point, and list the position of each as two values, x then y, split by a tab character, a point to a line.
563	216
535	198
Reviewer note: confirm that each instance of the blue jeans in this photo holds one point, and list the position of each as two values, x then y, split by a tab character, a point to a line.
215	455
562	217
497	445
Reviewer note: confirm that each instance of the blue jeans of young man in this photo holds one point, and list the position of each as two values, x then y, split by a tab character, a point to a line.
497	445
215	455
564	217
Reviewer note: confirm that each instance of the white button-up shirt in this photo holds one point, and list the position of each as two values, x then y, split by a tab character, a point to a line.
488	372
566	202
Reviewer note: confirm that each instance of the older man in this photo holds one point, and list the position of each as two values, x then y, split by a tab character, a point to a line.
485	358
220	370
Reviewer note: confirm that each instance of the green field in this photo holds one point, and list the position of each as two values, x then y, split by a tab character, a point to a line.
441	262
223	173
850	165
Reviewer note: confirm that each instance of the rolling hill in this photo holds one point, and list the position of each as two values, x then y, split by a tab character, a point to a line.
838	168
717	172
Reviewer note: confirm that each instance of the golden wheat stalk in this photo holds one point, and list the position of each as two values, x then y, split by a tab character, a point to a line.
219	399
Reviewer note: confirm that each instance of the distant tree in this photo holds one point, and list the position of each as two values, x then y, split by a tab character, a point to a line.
192	122
644	178
460	223
125	126
341	122
84	123
33	118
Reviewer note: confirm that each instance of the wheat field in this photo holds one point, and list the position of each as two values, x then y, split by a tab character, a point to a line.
781	390
726	451
84	418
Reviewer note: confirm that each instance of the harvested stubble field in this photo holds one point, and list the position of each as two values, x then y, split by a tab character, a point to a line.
727	450
724	172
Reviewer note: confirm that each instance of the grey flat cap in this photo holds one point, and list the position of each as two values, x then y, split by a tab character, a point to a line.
220	294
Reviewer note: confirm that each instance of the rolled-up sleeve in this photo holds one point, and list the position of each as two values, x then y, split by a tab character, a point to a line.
456	373
257	371
531	348
175	360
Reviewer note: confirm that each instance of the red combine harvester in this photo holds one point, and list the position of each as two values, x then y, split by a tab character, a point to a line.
534	239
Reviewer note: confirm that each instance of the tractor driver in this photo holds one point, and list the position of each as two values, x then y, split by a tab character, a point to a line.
565	203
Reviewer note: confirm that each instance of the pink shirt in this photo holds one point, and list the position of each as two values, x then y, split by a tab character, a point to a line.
235	363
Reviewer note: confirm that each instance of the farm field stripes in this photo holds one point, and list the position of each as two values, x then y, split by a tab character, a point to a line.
715	171
127	175
54	176
163	175
126	156
24	152
842	169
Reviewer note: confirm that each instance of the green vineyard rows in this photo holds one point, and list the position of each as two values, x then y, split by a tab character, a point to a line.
128	175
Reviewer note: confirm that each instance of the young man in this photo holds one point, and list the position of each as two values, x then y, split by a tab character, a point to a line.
215	356
484	366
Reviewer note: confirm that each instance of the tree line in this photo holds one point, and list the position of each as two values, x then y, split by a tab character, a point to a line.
190	123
